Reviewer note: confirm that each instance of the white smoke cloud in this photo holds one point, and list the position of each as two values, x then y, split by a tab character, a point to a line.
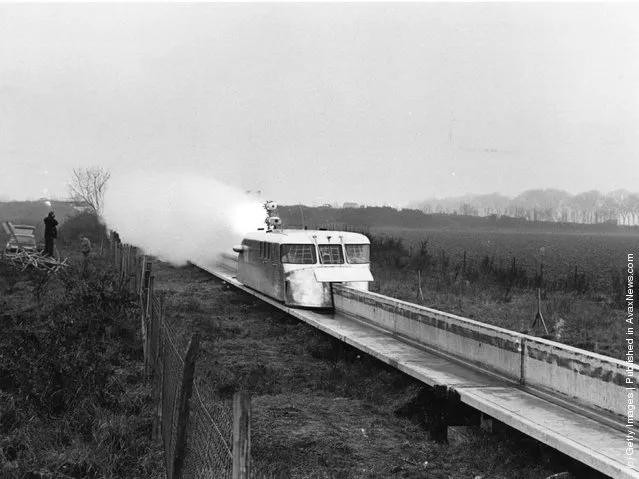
180	217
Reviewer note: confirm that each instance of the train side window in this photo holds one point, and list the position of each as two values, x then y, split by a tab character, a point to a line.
298	254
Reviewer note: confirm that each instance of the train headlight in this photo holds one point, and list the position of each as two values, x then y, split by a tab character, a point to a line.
271	206
274	221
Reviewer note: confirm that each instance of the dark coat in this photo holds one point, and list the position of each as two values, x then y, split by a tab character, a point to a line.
50	230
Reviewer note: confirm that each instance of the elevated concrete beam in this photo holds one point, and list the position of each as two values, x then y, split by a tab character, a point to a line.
589	382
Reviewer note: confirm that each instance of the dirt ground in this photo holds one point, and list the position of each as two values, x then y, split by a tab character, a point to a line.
322	409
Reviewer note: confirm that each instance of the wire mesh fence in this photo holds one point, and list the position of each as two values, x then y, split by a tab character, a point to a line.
202	436
209	448
172	373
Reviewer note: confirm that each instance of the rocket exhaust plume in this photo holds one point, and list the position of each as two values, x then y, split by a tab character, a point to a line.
180	217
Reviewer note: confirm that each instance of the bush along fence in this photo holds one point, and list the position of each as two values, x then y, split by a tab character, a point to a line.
202	437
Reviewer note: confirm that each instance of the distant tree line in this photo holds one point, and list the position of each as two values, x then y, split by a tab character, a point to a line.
369	217
591	207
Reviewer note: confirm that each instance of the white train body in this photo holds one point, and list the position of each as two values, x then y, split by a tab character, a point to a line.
297	267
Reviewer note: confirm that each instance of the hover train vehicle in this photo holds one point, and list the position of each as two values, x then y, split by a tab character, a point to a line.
298	267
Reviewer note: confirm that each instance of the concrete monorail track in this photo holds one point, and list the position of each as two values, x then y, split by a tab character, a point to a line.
571	400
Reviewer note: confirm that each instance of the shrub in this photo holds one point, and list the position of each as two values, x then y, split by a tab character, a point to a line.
68	341
61	353
82	224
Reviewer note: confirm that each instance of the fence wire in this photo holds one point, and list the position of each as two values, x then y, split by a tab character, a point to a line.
209	448
172	379
209	427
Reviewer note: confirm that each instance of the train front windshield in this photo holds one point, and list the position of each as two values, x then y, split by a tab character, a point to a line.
328	254
355	253
331	254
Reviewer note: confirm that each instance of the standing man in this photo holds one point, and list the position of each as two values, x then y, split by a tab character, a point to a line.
86	250
50	233
85	247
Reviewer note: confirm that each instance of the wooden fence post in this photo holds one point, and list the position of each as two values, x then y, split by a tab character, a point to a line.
420	293
144	301
145	264
122	262
186	388
148	326
131	270
148	269
120	258
131	274
241	435
159	373
127	278
134	272
139	273
125	269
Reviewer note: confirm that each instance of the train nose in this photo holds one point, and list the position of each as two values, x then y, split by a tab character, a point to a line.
302	289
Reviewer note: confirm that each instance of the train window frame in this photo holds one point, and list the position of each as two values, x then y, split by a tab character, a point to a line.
287	249
366	248
332	247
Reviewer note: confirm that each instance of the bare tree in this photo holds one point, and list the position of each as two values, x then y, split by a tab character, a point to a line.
89	185
467	209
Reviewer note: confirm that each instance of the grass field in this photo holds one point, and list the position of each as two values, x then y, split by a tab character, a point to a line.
597	256
494	277
73	403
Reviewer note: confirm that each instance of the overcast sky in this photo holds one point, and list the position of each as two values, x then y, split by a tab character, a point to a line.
373	103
